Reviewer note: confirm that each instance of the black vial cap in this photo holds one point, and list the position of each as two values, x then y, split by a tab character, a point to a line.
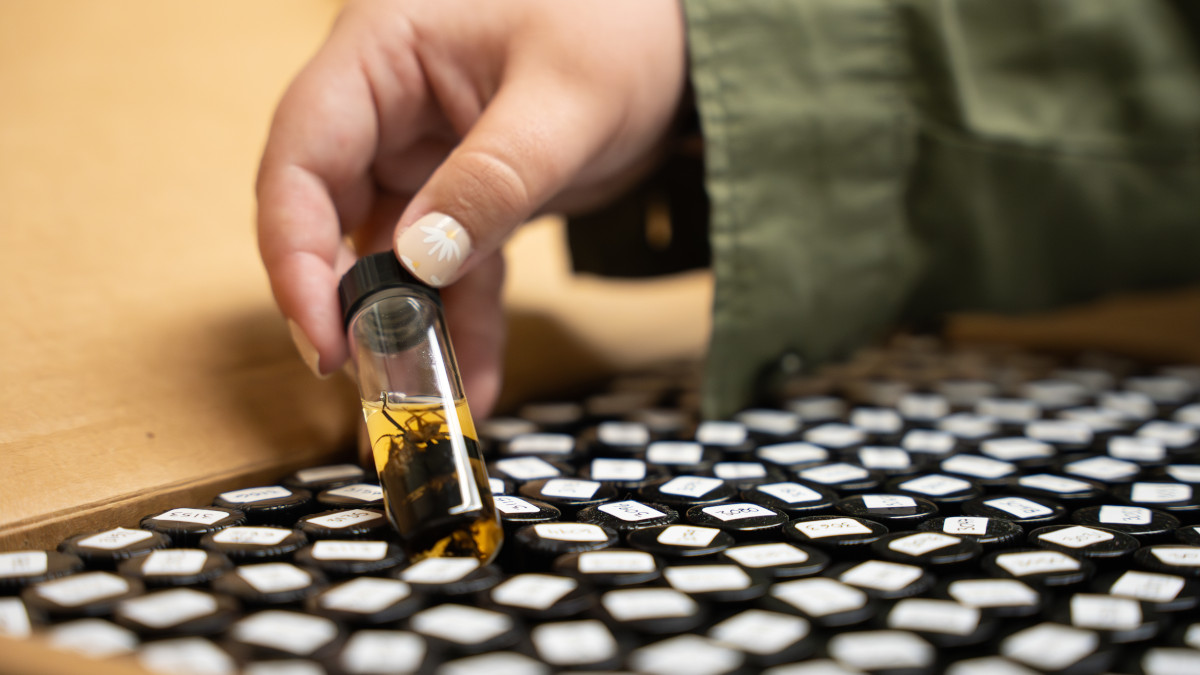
374	273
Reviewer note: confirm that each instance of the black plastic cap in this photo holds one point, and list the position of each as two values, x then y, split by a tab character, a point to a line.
374	273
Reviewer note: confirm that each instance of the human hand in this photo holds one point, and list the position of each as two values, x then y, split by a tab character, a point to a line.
435	128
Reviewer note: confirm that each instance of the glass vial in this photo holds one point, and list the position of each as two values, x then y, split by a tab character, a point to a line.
424	442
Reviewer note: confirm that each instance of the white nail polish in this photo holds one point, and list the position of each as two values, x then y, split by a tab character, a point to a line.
307	351
433	248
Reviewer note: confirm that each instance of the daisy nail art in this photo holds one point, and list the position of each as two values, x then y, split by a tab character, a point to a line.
433	248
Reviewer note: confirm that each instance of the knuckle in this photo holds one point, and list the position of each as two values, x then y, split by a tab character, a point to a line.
488	181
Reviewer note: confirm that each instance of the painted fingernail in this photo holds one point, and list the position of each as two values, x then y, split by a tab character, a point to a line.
307	351
433	248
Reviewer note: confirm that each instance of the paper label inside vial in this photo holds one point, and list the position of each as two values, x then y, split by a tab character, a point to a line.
197	516
365	595
1104	612
739	470
383	651
760	632
923	406
737	511
636	604
95	638
174	561
1148	586
623	433
1102	468
542	444
792	493
992	593
574	643
835	435
767	555
873	457
1050	646
881	575
819	596
831	474
1184	473
1036	562
973	525
570	532
1160	493
169	608
300	634
259	536
1015	449
347	518
116	538
360	491
1125	515
935	485
535	591
1180	556
616	562
631	511
1019	507
1136	449
527	468
690	486
329	549
332	472
707	578
1171	434
14	620
186	655
936	616
687	535
461	624
24	563
255	494
674	452
1052	483
928	442
81	589
1059	431
510	505
604	468
874	650
274	577
922	543
832	527
1076	536
439	570
980	467
877	420
885	501
716	432
776	422
787	454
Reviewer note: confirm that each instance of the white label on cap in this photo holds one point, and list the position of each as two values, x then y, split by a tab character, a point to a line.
174	561
461	624
835	435
506	428
1076	536
496	485
1036	562
24	563
1131	403
792	493
881	575
739	470
259	536
169	608
623	433
534	591
1188	414
1008	409
509	505
1016	449
1019	507
635	604
767	555
760	632
786	454
922	543
274	577
346	518
116	538
1160	493
775	422
1125	515
685	654
814	408
1059	431
1102	468
707	578
928	442
737	511
1050	646
527	468
94	638
14	620
360	491
570	488
332	472
831	527
1180	556
616	562
365	595
1104	612
1052	483
980	467
1170	661
875	457
329	549
1191	637
543	444
570	532
1136	449
819	596
198	516
935	616
293	632
879	649
674	452
186	655
973	525
1148	586
439	570
923	406
631	511
888	502
383	651
715	432
255	494
877	420
1184	473
992	593
830	474
935	485
966	425
1171	434
574	643
83	588
690	486
687	535
604	468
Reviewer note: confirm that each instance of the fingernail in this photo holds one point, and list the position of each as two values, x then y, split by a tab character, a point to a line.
307	351
433	248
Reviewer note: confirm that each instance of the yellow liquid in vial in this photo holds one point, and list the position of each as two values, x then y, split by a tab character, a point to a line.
435	486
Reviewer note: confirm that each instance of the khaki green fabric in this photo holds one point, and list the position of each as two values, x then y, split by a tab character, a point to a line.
872	162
